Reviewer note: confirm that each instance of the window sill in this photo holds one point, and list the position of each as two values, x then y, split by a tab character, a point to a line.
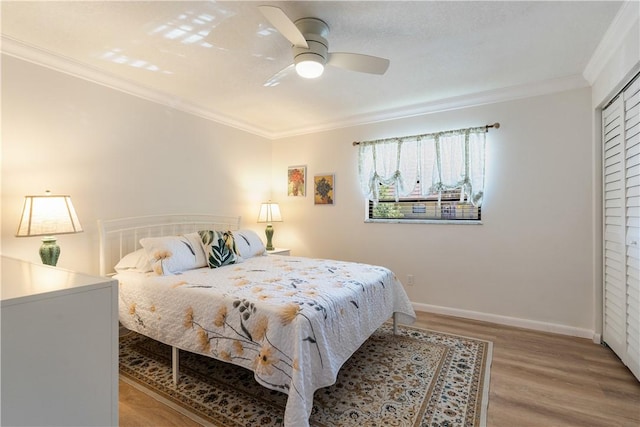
423	221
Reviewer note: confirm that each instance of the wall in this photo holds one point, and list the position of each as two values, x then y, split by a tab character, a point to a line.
529	263
116	155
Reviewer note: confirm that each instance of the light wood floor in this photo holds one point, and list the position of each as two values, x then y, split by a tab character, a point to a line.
537	380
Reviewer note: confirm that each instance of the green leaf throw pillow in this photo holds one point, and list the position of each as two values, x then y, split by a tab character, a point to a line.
219	248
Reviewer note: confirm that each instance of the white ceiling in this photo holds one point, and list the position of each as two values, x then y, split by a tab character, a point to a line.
213	58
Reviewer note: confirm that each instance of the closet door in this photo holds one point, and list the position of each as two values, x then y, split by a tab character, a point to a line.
621	223
632	193
614	293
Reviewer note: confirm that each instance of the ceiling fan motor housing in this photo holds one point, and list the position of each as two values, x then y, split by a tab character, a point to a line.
315	32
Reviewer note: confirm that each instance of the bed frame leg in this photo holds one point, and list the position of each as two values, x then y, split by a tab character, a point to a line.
395	323
175	364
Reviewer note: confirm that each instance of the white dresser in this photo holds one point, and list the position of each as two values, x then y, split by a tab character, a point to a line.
59	337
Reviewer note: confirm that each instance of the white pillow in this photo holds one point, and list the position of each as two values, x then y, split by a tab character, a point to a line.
248	243
136	260
174	254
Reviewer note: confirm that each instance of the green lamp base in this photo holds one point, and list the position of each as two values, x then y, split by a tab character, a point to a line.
269	233
49	251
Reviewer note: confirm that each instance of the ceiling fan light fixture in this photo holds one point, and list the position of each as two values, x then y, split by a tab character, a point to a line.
310	61
309	67
310	48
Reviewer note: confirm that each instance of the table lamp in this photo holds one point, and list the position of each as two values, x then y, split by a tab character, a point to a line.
269	212
45	216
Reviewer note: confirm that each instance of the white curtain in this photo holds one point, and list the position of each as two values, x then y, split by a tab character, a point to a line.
440	161
388	162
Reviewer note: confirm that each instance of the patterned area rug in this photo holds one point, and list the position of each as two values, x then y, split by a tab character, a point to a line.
417	378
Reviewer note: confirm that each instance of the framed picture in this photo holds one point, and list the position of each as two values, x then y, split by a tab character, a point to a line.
323	189
297	181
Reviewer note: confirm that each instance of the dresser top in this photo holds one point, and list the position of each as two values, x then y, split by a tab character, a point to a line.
23	281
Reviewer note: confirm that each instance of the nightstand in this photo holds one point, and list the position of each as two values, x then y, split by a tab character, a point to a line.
279	251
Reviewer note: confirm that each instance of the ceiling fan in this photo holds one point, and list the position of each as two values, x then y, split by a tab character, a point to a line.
310	48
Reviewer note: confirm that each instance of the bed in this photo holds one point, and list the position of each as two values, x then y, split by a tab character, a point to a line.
293	321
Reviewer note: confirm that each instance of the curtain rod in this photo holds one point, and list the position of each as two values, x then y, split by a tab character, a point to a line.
496	125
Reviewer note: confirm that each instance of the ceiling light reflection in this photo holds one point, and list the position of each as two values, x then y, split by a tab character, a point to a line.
190	27
192	39
114	55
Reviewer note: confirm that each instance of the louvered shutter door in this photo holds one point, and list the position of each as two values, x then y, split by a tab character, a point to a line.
621	226
614	294
632	194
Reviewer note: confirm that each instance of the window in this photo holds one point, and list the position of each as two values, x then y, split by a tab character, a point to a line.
434	207
430	177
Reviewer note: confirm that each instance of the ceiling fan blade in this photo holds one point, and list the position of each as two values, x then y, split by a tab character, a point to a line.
279	76
284	25
358	62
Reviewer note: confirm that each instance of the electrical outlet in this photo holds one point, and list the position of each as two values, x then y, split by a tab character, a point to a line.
410	281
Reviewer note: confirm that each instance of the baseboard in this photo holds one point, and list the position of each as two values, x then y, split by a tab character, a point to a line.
510	321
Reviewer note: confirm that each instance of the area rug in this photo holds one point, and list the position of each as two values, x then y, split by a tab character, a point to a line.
416	378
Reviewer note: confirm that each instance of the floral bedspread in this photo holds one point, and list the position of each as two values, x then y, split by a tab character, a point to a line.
293	321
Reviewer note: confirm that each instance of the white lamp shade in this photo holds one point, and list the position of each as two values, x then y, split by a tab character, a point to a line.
269	212
48	215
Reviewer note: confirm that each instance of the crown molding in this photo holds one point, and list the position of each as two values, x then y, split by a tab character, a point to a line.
63	64
624	21
77	69
454	103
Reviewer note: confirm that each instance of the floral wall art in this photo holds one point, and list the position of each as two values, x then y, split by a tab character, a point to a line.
296	181
323	189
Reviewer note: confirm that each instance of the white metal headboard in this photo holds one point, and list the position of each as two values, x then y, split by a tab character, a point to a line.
119	237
